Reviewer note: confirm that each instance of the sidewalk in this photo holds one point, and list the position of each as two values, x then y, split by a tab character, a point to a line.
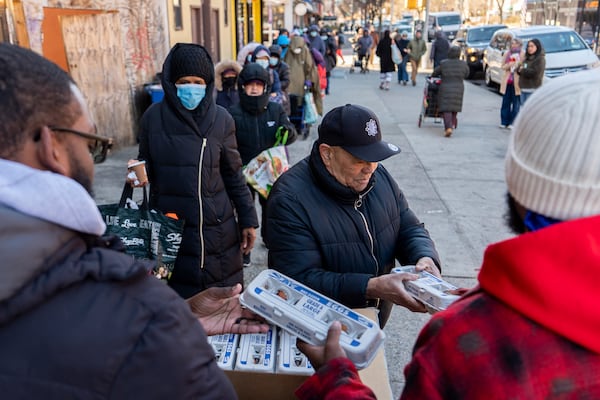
455	186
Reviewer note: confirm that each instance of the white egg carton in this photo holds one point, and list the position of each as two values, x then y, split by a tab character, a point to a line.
429	289
257	351
308	314
225	347
290	360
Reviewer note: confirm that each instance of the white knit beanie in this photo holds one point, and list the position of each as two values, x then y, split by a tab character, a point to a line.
553	158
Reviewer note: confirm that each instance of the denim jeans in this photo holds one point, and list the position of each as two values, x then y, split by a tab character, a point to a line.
510	106
525	96
402	74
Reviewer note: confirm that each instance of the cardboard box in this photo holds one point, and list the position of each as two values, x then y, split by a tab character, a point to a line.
273	386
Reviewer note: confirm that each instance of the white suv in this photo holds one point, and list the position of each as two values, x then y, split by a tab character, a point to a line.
566	51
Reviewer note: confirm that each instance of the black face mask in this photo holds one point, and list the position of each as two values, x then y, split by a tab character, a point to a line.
229	82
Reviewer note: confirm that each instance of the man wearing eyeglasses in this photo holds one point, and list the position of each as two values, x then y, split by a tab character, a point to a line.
79	318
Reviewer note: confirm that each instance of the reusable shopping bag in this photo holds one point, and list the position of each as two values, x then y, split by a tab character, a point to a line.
310	109
264	169
396	55
147	234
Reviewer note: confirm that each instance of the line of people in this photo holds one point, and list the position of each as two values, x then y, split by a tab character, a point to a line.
97	325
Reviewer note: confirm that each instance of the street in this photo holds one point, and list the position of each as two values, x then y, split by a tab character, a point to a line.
454	185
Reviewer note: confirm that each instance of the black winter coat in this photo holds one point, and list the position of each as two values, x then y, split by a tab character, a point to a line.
384	52
333	239
195	170
453	73
79	320
256	132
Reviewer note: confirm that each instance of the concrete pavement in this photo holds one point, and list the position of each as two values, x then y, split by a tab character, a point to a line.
455	185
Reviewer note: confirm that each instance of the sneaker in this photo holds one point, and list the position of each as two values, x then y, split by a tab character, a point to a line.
246	260
503	126
508	126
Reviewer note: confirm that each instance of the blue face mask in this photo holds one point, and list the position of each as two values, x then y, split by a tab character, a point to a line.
273	61
263	63
313	34
191	94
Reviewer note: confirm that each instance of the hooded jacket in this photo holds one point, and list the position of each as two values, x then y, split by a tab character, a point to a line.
316	42
453	73
333	239
195	170
530	331
256	118
226	97
81	320
302	70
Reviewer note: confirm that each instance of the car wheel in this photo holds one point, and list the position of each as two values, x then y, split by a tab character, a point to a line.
471	73
488	77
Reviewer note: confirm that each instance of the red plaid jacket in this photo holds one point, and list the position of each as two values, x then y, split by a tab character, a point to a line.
530	331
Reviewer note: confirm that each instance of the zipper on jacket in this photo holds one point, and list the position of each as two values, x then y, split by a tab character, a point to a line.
357	205
201	212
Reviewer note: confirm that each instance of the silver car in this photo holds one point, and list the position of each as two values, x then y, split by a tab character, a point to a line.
566	51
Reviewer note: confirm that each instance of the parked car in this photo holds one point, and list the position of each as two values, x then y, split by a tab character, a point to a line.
566	51
447	22
473	40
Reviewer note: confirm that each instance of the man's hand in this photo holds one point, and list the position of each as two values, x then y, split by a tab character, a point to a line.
248	238
391	287
427	264
321	355
218	310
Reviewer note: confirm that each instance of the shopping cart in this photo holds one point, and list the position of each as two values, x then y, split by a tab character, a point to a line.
429	106
362	65
297	116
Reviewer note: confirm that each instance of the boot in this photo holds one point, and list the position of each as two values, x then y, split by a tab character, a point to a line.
448	132
381	85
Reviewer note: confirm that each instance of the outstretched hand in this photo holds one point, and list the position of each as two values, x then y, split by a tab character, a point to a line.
218	310
321	355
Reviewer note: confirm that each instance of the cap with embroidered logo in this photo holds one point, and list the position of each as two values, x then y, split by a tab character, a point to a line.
356	129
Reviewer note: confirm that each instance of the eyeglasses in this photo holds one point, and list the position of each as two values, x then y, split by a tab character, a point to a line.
98	146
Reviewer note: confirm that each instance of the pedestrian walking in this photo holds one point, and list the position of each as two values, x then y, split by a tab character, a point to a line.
416	49
531	69
439	49
226	74
509	87
386	64
363	50
375	38
402	43
450	95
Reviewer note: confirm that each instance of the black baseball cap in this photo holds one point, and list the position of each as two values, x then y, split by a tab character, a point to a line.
356	129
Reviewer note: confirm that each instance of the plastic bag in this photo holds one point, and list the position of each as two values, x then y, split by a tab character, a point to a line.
264	169
396	55
310	109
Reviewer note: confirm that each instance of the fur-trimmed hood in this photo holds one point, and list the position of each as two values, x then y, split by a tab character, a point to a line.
221	67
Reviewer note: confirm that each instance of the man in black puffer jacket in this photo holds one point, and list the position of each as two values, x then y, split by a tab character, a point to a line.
195	171
337	220
79	319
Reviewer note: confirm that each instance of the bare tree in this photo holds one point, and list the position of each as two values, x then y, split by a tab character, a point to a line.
500	4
